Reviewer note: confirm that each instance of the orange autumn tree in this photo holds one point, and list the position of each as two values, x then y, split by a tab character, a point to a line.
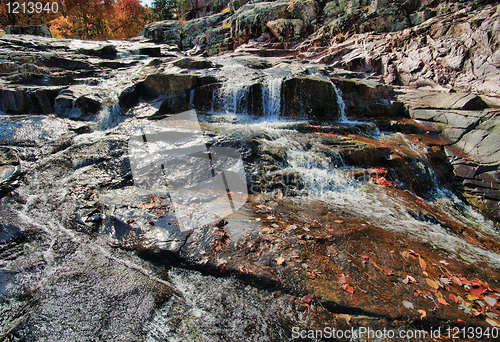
84	19
88	18
128	20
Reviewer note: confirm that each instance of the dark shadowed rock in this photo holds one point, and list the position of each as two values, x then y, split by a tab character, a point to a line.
14	101
309	97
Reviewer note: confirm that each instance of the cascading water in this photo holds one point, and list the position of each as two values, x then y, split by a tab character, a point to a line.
271	97
340	104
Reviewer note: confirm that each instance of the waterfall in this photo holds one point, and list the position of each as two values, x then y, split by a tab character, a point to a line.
234	98
271	97
340	103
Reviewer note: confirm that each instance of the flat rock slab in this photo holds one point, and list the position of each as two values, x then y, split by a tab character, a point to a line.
438	100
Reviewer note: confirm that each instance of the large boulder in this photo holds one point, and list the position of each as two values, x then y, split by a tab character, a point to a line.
34	30
286	29
194	29
251	20
167	31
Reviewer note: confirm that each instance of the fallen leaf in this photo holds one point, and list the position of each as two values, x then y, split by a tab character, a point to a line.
388	272
408	305
405	254
444	262
471	298
308	298
423	314
454	298
441	299
129	221
456	280
409	279
477	291
422	262
341	278
280	260
432	283
338	221
446	281
348	288
258	219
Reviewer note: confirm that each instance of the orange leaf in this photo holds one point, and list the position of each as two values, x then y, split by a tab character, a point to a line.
388	272
422	262
441	299
454	298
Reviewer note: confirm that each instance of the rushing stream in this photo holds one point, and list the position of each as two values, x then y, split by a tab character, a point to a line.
87	256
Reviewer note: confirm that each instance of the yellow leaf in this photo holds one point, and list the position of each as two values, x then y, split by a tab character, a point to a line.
423	314
432	283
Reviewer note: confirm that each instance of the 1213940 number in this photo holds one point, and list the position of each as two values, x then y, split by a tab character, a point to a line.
32	7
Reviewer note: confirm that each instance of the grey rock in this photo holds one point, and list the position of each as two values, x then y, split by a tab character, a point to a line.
34	30
167	31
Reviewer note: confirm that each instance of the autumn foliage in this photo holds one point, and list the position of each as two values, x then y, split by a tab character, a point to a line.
84	19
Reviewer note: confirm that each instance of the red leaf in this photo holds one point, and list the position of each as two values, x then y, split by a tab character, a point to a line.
342	279
348	288
477	291
308	298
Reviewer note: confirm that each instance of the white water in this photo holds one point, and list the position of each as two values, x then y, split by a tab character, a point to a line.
340	104
271	97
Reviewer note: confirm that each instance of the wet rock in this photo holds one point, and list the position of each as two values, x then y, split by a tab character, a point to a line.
34	30
14	101
166	31
105	51
309	97
193	63
203	96
77	102
10	169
